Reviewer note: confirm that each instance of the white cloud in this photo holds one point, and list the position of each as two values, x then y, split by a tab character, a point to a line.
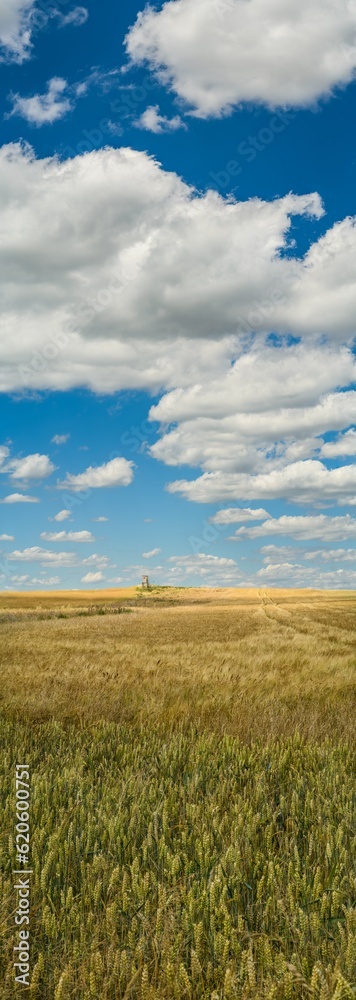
15	29
60	438
49	581
43	556
118	472
153	121
211	570
62	515
75	17
4	453
234	514
303	527
280	553
254	430
96	560
288	553
149	273
43	109
67	536
331	555
7	538
295	575
262	380
31	467
269	396
168	294
217	54
116	579
302	482
19	498
100	519
344	445
92	577
149	555
131	312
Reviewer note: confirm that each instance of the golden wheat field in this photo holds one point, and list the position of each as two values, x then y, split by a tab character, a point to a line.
252	663
192	793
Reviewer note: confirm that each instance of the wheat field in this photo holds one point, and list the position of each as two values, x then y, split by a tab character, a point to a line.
192	795
251	663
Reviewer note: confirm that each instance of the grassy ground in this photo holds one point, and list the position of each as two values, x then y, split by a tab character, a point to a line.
246	662
192	793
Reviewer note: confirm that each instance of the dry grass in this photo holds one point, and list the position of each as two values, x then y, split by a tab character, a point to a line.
252	663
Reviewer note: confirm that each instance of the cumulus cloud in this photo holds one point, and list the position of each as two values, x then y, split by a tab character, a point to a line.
294	575
60	438
255	430
149	555
268	395
153	121
302	482
212	570
93	577
75	17
100	519
262	379
19	498
15	29
288	553
179	291
4	453
217	54
331	555
31	467
345	444
118	472
62	515
149	274
280	553
67	536
96	560
43	109
234	514
43	556
7	538
303	527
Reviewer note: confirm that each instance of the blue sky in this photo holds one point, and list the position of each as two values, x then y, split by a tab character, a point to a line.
177	389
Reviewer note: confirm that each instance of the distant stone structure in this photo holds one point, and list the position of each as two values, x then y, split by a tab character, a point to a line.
145	583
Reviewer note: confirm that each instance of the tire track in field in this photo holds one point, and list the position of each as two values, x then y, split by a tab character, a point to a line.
281	616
